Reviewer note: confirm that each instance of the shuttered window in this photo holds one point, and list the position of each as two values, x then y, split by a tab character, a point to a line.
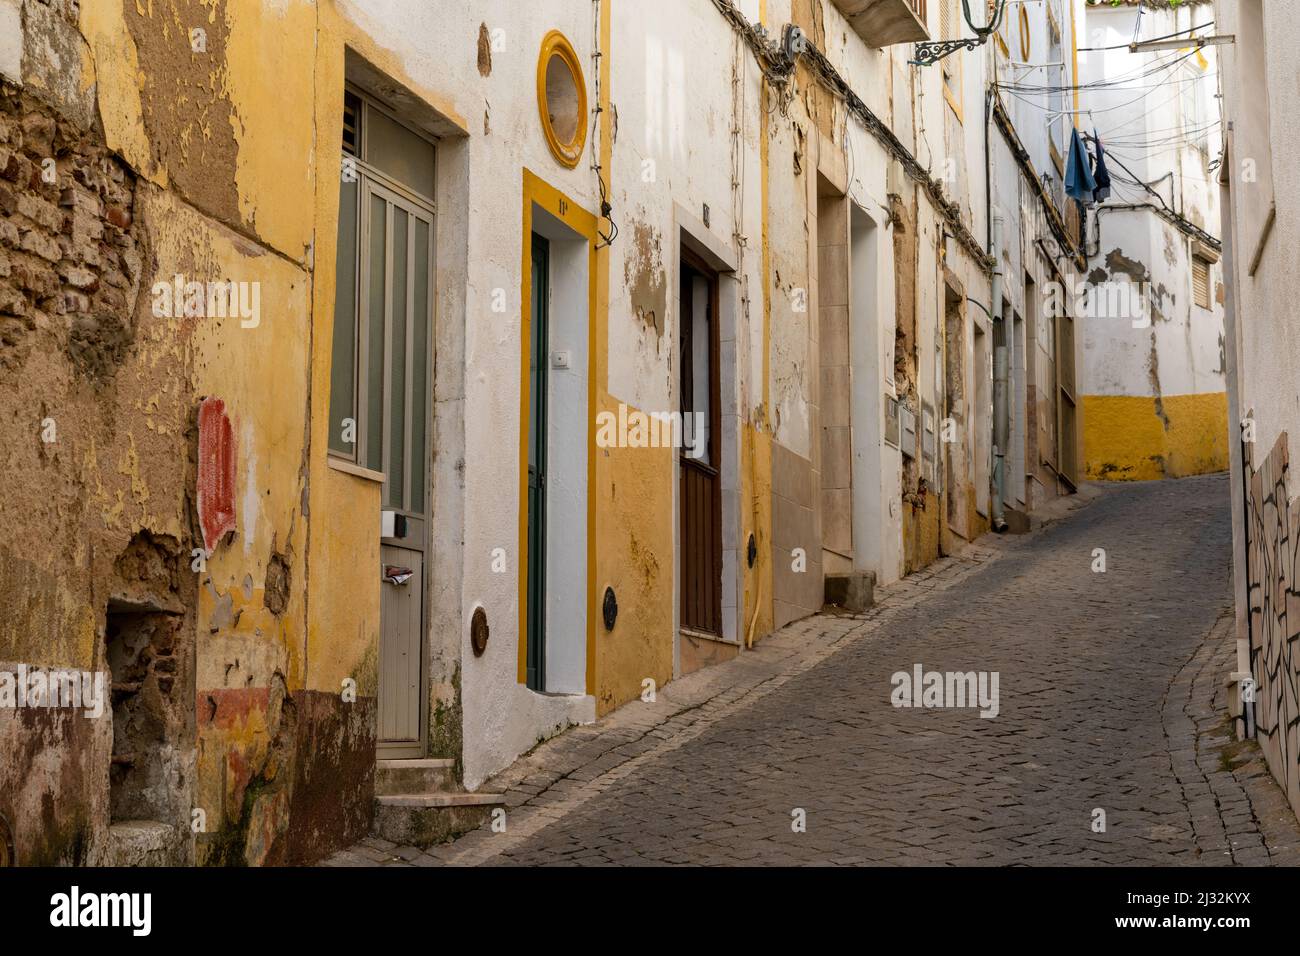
1201	282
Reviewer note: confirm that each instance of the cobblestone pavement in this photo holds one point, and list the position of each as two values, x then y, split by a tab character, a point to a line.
1111	696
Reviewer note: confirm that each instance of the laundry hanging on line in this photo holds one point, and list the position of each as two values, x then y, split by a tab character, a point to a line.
1079	183
1099	171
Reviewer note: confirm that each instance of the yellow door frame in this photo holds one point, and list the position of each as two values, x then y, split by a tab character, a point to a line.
537	192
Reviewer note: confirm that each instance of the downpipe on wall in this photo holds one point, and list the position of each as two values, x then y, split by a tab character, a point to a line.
1001	407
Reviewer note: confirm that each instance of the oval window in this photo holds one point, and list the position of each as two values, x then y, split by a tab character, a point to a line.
1024	35
562	99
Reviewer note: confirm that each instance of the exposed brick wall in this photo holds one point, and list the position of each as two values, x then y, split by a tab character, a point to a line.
70	257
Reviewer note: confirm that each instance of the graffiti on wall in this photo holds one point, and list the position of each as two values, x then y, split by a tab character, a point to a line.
1273	527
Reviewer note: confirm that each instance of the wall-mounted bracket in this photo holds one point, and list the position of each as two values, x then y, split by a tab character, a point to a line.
931	52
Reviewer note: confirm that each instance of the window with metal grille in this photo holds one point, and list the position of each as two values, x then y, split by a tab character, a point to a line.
1201	282
351	124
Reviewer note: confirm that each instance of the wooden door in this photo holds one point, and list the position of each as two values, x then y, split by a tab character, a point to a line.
700	495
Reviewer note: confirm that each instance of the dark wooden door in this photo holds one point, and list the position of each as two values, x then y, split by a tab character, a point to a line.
700	496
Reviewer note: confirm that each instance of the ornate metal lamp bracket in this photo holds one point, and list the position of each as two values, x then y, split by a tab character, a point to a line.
931	52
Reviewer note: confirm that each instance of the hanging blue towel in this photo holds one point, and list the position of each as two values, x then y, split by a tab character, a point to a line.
1099	172
1079	183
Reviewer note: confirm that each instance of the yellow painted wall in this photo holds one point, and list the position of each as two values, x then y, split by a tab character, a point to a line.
634	547
1125	438
239	187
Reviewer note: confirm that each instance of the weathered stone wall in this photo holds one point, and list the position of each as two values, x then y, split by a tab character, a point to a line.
75	514
129	155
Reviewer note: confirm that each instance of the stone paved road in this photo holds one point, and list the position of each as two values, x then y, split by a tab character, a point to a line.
1110	697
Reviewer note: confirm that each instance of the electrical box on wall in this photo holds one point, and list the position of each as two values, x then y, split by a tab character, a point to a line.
392	524
927	432
891	420
907	431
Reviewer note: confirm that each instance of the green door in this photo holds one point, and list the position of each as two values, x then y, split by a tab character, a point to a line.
538	351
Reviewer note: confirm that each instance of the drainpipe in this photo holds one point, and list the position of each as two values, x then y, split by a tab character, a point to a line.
1001	407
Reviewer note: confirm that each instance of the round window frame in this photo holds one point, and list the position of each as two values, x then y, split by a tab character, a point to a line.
1026	39
568	153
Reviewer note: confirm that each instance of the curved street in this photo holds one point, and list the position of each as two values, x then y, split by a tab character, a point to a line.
1107	684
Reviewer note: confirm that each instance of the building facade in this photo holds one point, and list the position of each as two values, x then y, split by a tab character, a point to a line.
1262	218
482	367
1154	366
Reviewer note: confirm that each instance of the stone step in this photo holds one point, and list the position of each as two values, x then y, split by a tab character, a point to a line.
144	843
425	775
853	591
423	819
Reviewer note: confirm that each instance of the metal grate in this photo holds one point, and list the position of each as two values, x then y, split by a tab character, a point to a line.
351	125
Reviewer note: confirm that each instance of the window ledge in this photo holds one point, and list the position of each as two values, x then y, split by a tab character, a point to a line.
707	636
339	464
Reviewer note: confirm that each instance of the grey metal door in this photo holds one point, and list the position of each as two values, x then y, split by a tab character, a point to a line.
396	355
401	618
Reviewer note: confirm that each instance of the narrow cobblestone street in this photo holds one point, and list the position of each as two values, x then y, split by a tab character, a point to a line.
1110	692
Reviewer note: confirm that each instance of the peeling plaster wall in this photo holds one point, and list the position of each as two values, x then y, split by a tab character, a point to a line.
1029	250
1154	377
96	443
501	717
280	772
681	82
816	134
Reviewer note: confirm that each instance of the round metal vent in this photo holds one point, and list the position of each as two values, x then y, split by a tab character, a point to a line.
609	609
478	631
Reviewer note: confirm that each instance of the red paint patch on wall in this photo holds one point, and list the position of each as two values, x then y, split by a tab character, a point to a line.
216	480
229	708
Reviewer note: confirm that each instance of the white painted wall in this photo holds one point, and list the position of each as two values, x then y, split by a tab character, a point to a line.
867	363
1268	323
438	44
1152	125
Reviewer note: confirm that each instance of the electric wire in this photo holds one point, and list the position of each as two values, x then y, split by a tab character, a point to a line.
1125	46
